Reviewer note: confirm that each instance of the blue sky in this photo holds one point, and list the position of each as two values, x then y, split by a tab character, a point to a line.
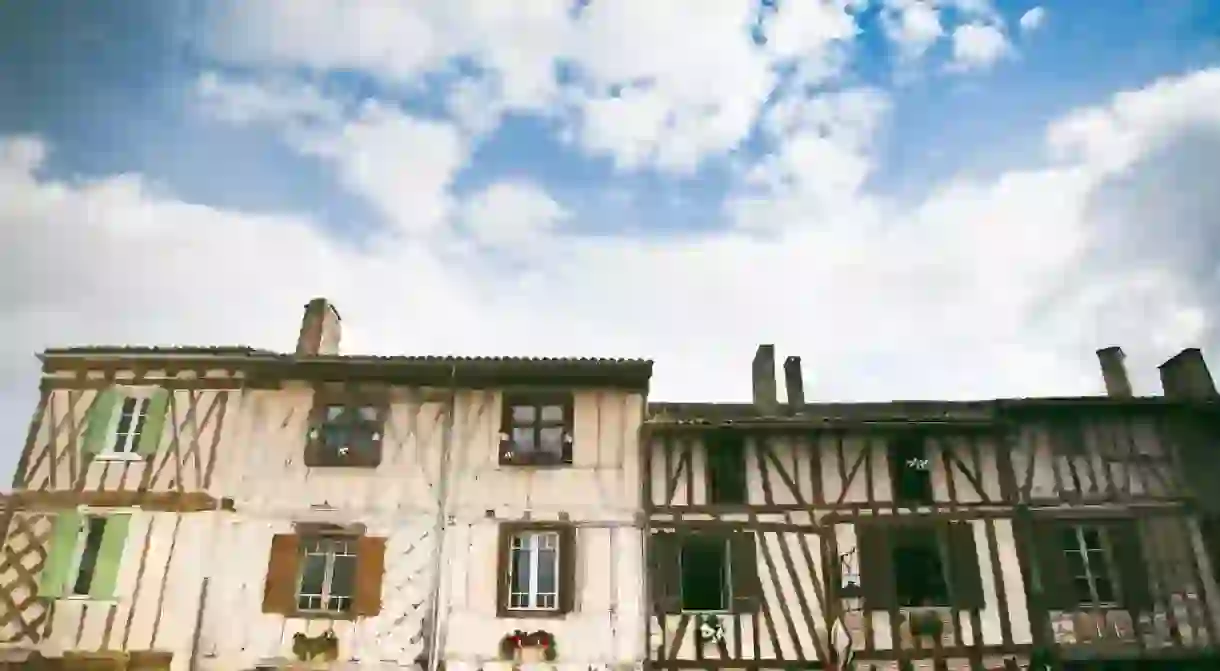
923	199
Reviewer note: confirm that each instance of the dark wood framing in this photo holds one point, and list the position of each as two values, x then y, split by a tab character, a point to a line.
183	502
793	512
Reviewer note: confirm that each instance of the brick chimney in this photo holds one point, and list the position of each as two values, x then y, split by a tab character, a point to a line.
765	401
794	382
1114	372
1185	376
320	329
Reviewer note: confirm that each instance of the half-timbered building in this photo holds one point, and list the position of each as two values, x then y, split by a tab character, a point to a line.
994	534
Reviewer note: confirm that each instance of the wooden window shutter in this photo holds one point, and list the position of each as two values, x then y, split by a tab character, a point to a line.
109	557
568	554
503	562
54	574
506	430
876	568
1133	577
666	572
1058	592
279	593
370	570
964	573
154	425
97	427
743	572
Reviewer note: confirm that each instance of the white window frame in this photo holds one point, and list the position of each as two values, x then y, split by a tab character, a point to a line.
335	546
143	398
531	541
1091	571
726	591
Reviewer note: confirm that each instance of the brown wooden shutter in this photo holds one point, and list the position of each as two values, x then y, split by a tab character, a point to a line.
1133	577
567	569
370	568
665	572
876	567
279	592
1058	592
743	571
569	427
506	431
966	583
503	558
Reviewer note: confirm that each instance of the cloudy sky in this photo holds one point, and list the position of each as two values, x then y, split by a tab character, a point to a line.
923	199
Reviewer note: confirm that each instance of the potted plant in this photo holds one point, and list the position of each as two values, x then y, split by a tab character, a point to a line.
926	622
528	647
711	629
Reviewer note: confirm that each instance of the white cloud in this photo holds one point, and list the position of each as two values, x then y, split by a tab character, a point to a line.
912	25
1033	19
978	46
511	215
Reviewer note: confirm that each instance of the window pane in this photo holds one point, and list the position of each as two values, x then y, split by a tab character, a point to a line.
1084	593
523	414
704	582
368	413
552	413
334	412
342	582
521	570
1105	591
552	439
335	436
1092	539
94	529
548	564
1068	540
523	439
1075	563
313	573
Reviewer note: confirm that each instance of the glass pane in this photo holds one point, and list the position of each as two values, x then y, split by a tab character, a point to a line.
523	439
1068	540
368	413
1092	539
1075	563
552	413
1105	591
521	571
548	568
335	436
552	439
523	414
342	581
313	574
88	561
1083	592
334	412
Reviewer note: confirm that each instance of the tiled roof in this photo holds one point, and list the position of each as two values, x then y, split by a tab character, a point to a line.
894	411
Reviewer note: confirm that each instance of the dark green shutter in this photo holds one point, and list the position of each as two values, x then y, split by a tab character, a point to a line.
64	536
665	572
1058	592
154	424
569	427
966	583
98	421
1128	558
876	567
109	557
743	571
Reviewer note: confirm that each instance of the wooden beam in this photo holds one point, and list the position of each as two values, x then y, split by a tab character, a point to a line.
50	501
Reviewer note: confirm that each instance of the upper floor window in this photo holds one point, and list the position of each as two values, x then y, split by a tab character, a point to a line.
126	422
537	569
536	429
327	574
726	469
910	469
346	430
1088	560
84	555
324	571
705	572
1095	563
131	418
919	564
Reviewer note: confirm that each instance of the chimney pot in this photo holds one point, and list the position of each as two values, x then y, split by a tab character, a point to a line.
794	382
1114	372
320	329
765	401
1185	376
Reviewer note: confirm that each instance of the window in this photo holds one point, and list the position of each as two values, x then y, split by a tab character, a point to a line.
537	564
704	571
89	545
919	571
706	584
131	417
1089	565
536	429
910	470
726	469
327	575
345	432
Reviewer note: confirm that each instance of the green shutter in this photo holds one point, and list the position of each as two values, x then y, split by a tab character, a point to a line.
97	429
54	574
109	557
150	435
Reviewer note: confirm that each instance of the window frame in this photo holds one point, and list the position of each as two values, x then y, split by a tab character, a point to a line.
931	538
714	453
894	446
351	549
565	565
319	454
510	454
143	396
1109	568
726	578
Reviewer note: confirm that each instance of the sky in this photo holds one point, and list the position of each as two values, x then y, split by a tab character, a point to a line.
954	199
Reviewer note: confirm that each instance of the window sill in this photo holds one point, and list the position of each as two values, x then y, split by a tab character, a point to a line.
84	598
320	615
535	462
118	456
524	614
